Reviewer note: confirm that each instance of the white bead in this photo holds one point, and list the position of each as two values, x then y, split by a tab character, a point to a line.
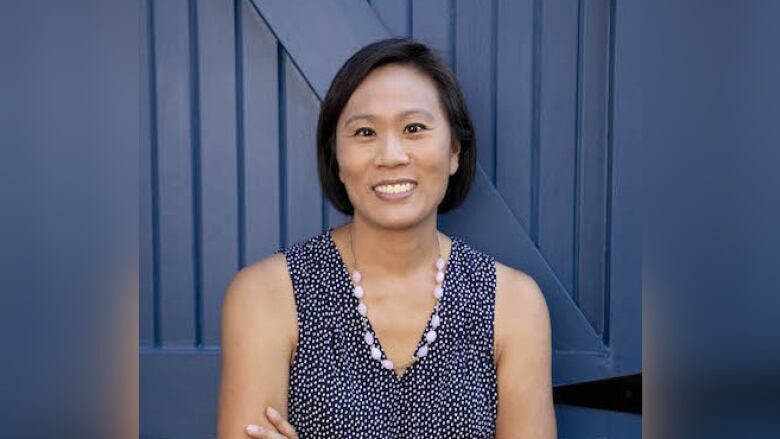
387	364
440	264
435	320
438	292
430	336
423	351
362	309
439	276
375	353
356	276
358	292
369	337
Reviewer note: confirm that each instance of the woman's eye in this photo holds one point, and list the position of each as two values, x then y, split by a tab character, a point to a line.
415	128
364	132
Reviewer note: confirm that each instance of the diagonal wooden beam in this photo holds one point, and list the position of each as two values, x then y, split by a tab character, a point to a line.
320	35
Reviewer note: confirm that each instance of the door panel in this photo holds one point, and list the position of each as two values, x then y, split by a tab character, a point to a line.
234	92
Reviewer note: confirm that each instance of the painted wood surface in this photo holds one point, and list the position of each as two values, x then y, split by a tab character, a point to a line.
229	171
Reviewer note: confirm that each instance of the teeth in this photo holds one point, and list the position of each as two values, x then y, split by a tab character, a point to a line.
395	188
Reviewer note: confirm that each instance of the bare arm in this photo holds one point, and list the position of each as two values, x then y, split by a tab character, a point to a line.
525	405
258	329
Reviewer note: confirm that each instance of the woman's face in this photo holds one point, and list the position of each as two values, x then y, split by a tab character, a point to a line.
394	147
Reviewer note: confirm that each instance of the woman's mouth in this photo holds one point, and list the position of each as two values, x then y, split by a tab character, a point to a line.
396	191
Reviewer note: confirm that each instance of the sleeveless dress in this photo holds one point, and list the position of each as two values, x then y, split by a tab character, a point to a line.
337	390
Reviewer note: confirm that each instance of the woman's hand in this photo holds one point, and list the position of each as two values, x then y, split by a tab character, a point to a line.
282	430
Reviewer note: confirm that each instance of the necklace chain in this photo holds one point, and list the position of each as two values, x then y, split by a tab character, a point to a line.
354	256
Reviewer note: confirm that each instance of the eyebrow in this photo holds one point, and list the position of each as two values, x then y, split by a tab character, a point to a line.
370	117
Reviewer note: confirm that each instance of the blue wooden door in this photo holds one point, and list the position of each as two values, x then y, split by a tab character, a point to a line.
229	173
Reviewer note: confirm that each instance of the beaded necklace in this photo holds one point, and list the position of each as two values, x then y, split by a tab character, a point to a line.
369	337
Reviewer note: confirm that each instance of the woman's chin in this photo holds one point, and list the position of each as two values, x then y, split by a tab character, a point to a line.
396	217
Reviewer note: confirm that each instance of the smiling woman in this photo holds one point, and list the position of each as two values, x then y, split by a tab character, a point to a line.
385	326
393	117
395	93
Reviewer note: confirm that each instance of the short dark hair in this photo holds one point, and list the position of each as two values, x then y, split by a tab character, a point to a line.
395	51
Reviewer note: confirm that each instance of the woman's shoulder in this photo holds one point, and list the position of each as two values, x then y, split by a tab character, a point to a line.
261	290
268	271
509	280
520	310
270	278
515	281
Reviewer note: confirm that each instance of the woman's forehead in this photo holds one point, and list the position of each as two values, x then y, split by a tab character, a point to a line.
392	91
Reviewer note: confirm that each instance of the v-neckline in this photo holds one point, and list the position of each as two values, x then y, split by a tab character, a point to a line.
421	340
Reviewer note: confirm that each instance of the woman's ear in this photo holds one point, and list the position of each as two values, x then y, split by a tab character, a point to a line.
454	156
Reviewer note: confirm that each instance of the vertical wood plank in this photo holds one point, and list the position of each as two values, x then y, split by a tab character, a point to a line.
218	166
259	124
557	131
592	172
475	61
178	394
432	24
146	234
395	15
624	269
305	209
174	158
514	106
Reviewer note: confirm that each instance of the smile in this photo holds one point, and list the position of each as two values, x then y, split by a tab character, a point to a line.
394	191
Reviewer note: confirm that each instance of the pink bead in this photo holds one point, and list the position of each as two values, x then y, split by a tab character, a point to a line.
440	264
430	336
369	338
375	353
356	276
362	309
358	292
387	364
423	351
435	321
438	292
439	276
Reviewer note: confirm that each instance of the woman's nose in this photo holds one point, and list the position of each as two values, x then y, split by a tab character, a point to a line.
392	152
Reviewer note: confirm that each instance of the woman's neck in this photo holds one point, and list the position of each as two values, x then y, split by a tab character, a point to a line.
394	252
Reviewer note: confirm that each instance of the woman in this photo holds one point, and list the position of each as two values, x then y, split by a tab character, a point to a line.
386	327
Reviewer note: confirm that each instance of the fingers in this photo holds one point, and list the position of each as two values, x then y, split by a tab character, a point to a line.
281	424
281	428
260	432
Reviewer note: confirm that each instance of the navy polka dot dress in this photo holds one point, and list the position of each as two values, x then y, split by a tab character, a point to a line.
338	391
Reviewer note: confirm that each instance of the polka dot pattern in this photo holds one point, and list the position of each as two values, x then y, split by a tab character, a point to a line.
337	390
